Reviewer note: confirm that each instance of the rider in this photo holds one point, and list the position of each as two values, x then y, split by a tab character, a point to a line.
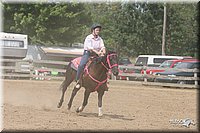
93	43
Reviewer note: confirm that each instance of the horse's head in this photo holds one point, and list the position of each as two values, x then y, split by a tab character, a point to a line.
112	62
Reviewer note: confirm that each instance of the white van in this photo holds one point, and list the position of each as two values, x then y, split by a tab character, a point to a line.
154	60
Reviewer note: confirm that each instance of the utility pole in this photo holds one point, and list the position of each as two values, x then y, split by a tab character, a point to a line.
164	30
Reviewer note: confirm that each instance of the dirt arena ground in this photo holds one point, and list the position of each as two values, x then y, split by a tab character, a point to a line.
32	106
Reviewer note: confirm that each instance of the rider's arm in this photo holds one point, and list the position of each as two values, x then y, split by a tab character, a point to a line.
95	51
103	49
87	43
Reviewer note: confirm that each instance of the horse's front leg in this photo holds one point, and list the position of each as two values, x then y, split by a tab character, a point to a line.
85	101
100	96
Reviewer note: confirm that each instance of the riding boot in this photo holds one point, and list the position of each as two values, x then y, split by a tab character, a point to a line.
79	80
79	73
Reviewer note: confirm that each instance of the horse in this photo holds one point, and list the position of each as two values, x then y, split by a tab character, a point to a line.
94	78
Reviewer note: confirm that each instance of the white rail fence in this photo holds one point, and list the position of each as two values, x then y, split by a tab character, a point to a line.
33	69
55	70
151	77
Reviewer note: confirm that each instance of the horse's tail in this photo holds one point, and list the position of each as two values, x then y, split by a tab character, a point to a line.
65	81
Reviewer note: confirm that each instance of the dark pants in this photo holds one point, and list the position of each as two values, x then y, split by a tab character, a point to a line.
84	59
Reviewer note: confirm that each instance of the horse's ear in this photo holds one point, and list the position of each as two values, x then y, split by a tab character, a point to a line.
110	50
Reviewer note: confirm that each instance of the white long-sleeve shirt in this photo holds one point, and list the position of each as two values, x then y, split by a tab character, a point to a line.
93	43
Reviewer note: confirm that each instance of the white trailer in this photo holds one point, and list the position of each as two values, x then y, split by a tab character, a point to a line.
14	46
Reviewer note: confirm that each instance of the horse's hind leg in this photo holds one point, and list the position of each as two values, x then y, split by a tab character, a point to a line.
85	101
75	90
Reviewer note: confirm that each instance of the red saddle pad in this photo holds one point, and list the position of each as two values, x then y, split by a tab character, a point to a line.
75	63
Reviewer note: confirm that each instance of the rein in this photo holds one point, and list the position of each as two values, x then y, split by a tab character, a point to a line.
109	61
110	67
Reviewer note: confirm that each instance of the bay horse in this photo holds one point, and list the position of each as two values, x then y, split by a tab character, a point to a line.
94	78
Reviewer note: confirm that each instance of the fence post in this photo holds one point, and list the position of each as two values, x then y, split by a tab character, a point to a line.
127	78
145	74
113	77
196	77
31	68
126	69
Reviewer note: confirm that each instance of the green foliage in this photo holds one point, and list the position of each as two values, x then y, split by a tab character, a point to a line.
130	28
182	29
48	24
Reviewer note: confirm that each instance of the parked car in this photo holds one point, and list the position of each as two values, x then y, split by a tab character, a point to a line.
154	60
165	64
187	64
125	61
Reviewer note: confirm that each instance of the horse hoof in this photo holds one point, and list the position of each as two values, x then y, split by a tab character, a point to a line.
99	115
59	105
77	110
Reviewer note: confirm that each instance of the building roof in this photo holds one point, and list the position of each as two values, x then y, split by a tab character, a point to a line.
63	51
51	53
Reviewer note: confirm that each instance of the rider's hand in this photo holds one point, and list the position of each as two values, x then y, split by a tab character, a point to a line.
101	54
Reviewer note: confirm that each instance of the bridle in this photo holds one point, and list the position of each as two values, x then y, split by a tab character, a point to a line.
108	61
110	66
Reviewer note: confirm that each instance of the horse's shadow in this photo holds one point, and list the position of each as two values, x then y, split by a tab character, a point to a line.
106	116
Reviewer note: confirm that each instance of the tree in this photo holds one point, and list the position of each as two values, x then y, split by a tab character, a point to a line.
182	29
47	24
131	28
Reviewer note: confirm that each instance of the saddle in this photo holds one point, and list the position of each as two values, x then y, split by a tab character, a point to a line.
75	62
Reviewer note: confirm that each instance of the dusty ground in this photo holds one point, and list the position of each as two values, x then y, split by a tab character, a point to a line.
31	105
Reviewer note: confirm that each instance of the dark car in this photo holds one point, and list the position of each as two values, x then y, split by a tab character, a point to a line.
124	61
171	76
166	64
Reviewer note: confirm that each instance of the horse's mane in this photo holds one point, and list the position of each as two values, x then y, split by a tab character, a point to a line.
98	59
110	52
